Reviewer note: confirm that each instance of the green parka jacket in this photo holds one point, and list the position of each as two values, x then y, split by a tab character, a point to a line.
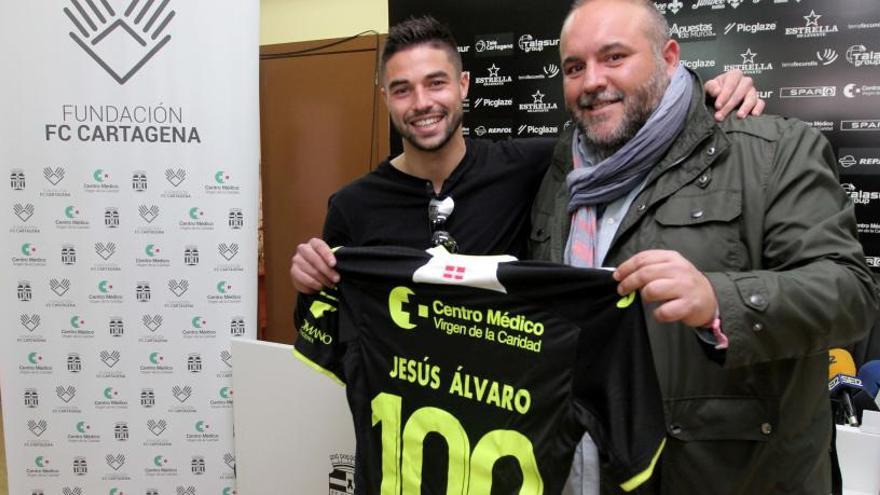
756	205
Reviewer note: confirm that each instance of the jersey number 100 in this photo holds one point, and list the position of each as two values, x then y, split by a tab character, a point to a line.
470	472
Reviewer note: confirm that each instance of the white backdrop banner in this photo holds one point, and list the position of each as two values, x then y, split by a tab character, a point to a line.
129	133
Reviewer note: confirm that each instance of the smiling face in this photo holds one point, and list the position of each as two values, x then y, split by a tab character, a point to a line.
423	91
614	74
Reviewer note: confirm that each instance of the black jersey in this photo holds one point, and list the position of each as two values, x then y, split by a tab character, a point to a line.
480	374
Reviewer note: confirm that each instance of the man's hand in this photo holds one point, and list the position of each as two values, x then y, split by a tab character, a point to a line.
311	268
730	89
684	293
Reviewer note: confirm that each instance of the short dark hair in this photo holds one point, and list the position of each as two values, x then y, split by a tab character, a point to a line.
416	31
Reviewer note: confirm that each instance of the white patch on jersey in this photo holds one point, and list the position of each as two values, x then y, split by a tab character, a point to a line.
459	269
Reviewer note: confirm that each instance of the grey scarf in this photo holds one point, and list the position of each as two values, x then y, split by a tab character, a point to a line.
627	167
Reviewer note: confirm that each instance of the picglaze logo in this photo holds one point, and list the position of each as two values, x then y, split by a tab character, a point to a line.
537	130
527	43
494	79
120	41
741	27
493	102
812	28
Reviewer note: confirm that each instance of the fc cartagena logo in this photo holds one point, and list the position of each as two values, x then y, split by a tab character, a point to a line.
120	41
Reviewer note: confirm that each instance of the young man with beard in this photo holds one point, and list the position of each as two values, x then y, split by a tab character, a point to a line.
487	188
737	236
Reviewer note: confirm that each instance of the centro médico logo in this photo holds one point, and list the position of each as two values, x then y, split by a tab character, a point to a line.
100	182
528	43
811	29
156	364
222	185
852	90
225	401
122	41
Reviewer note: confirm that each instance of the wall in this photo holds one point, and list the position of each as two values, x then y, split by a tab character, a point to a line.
283	21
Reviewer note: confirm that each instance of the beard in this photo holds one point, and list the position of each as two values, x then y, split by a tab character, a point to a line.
637	108
455	118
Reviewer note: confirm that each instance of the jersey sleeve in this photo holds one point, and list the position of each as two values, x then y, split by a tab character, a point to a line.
318	345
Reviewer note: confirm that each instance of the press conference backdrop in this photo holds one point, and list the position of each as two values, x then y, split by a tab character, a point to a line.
817	60
129	138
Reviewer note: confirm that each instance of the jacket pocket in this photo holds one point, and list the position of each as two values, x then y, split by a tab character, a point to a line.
704	227
723	418
539	236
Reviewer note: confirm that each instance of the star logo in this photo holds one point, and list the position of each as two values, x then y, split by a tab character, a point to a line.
812	19
538	97
748	56
493	71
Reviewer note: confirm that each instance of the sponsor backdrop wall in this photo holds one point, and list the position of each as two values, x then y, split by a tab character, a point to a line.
129	138
817	60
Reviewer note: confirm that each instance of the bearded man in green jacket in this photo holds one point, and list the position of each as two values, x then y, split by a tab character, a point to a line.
737	235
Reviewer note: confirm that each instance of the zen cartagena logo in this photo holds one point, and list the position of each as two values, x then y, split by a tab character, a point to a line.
120	41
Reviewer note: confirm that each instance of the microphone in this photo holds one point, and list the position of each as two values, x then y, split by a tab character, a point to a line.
842	382
869	374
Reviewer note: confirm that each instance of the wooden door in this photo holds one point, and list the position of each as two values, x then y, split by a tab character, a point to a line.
322	125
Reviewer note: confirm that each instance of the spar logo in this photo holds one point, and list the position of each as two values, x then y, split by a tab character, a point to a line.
120	41
812	28
749	66
808	92
860	125
859	56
